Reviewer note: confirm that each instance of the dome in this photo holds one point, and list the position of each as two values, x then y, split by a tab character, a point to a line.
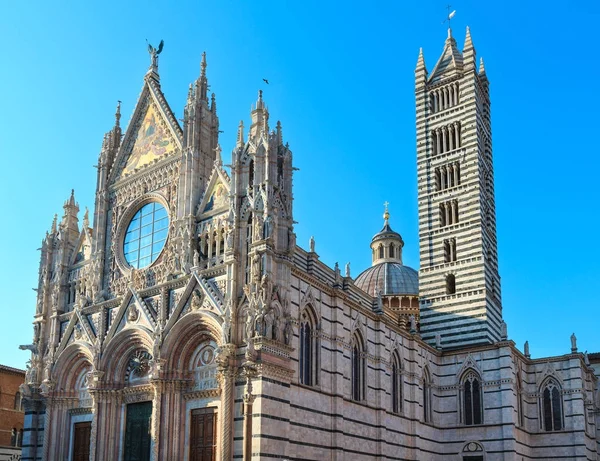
391	278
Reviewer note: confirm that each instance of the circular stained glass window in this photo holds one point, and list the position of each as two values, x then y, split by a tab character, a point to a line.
146	235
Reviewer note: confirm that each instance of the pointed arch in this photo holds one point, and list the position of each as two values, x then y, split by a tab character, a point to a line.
427	382
358	354
471	396
309	347
551	405
397	383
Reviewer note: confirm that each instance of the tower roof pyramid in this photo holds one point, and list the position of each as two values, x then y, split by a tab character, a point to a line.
449	62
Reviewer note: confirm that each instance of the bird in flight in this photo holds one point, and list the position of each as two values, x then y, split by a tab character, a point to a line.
266	81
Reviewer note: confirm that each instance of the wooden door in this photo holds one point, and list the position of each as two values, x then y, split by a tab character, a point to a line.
203	435
137	432
81	441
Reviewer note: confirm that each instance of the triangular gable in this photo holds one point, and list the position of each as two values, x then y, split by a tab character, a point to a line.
132	312
216	197
84	247
152	134
449	63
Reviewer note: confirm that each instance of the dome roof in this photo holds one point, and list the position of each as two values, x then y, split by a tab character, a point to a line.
391	278
387	233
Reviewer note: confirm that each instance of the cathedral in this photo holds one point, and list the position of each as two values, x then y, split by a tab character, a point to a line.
181	320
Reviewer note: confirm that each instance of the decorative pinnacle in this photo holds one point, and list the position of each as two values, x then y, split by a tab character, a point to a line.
259	103
386	213
420	60
481	67
240	135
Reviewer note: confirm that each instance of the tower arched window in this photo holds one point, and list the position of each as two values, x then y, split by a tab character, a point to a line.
358	367
396	384
392	250
18	401
426	396
381	251
472	405
309	349
450	284
552	408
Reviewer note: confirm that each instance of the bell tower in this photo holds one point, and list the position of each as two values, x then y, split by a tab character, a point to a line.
459	284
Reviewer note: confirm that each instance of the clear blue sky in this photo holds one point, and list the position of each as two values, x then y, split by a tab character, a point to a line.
342	84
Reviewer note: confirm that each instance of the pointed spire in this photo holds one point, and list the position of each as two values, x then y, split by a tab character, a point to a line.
421	60
468	41
279	133
71	201
202	82
86	218
53	226
240	135
118	115
203	65
481	67
469	52
190	96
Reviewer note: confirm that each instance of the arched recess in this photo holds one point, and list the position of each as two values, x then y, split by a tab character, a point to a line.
119	352
397	383
427	382
309	347
183	340
358	349
74	360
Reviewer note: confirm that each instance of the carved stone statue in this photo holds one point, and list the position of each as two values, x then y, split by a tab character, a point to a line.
249	325
347	269
413	324
380	301
132	313
226	330
586	358
503	331
196	258
288	332
155	52
573	343
526	349
311	244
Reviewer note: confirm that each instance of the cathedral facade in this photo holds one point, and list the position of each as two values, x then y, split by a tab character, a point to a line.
185	323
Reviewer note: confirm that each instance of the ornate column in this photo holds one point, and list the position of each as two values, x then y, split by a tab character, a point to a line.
226	377
248	401
93	380
438	141
445	139
456	179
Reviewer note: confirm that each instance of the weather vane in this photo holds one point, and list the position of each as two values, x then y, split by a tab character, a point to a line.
449	16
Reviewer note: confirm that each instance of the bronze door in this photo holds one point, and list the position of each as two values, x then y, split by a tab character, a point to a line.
203	435
81	442
137	432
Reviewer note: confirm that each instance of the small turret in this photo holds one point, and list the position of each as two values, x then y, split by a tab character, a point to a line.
70	223
260	118
420	71
240	135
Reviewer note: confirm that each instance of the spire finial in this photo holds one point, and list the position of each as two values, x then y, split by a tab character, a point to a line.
118	114
386	213
203	65
259	103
